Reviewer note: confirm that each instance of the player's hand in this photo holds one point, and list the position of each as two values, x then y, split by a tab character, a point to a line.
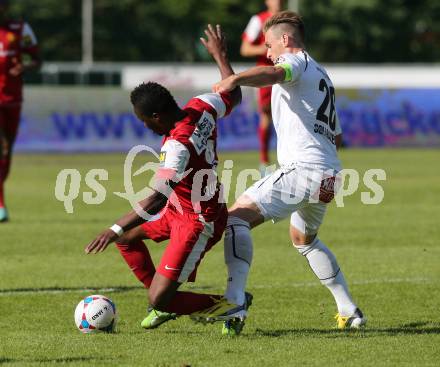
17	69
215	43
100	243
225	85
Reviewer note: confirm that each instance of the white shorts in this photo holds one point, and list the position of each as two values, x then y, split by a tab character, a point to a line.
288	191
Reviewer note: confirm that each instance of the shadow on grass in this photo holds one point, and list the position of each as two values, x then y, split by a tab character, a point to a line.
114	289
413	328
52	360
65	220
110	289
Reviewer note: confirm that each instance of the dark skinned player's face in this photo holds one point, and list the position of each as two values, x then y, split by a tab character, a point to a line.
153	123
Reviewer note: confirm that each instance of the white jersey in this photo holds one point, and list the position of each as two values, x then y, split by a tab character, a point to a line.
304	114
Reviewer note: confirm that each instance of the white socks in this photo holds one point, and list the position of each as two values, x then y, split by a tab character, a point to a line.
238	258
323	263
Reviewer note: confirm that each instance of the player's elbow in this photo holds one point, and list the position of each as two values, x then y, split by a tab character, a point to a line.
276	74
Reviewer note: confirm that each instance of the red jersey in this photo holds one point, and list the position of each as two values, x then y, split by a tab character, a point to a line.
16	38
254	34
190	150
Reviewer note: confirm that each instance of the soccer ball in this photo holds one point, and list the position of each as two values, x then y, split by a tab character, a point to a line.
94	314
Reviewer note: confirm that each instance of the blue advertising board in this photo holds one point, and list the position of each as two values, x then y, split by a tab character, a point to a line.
80	119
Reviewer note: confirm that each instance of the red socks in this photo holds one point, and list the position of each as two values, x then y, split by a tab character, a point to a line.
4	170
264	137
138	258
2	194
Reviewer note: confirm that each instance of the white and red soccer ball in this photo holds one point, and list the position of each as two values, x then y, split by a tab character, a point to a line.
96	313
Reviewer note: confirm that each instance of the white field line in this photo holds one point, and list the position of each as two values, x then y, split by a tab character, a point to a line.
355	282
19	292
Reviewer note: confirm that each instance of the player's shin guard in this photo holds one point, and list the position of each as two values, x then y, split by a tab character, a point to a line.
326	268
138	258
238	258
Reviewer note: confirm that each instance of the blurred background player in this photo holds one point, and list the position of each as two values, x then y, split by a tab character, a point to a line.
16	39
252	45
191	223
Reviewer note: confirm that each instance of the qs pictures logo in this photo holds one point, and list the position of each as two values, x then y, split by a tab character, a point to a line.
68	183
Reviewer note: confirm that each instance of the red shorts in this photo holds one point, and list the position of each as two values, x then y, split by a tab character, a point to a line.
9	120
264	96
190	238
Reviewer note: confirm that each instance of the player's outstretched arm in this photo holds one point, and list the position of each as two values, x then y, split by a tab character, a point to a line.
258	76
215	43
165	181
151	205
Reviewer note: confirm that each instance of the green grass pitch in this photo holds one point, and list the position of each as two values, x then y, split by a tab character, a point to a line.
389	252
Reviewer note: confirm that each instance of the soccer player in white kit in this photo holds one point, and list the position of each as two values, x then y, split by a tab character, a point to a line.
308	134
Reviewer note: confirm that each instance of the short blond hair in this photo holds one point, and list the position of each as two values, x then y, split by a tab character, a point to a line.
288	20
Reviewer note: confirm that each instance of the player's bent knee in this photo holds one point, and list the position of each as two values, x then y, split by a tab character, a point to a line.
243	202
299	238
246	210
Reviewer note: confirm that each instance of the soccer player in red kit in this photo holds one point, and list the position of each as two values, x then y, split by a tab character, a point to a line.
187	196
16	39
252	45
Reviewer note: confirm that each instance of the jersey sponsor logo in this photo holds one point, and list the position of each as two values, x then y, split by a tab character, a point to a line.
162	158
203	131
